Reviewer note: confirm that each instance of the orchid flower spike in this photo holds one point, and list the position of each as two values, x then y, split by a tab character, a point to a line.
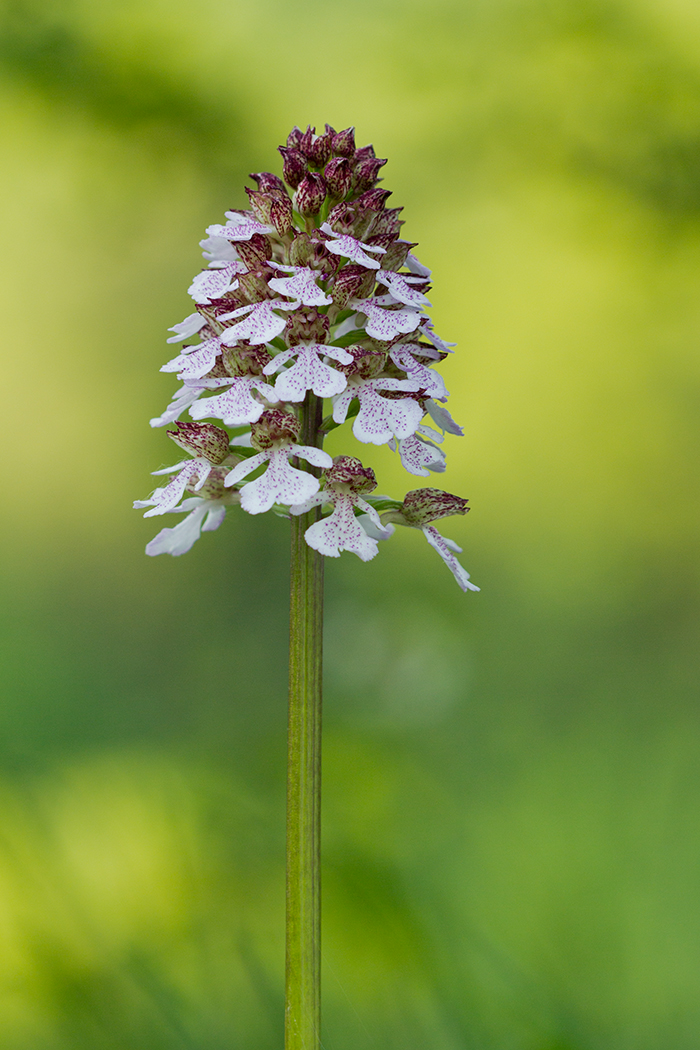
308	300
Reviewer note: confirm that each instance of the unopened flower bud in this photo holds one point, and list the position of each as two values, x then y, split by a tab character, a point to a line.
348	470
253	286
387	223
365	363
306	140
294	166
421	506
306	252
396	254
364	152
366	172
306	325
352	282
338	176
201	439
295	137
274	425
372	200
311	194
272	208
245	360
269	183
256	251
344	143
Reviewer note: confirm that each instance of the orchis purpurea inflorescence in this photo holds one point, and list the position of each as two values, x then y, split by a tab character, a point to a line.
311	295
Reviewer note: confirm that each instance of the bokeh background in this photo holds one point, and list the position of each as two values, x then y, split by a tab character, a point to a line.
512	787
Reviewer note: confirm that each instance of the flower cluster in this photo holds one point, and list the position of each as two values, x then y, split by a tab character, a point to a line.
309	296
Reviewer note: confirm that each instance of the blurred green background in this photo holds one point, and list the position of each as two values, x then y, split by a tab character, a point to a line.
512	786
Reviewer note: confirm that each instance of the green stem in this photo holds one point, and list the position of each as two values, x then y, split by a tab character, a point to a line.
303	971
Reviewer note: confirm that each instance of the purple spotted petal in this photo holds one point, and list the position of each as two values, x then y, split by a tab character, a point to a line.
212	284
440	544
165	499
260	326
381	418
187	328
195	364
386	324
341	532
400	288
281	483
302	286
239	231
237	405
350	248
308	373
431	382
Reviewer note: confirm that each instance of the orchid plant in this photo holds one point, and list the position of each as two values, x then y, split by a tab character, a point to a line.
311	312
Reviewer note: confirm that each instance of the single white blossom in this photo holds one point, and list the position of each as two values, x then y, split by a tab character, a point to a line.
309	372
281	482
187	328
237	405
204	516
380	418
350	248
300	286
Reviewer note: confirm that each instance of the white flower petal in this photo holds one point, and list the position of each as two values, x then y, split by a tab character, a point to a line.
384	532
187	328
245	467
341	531
442	417
415	266
281	483
420	457
212	284
219	251
442	546
428	380
426	329
181	400
195	364
302	286
386	324
260	326
182	537
239	231
401	289
350	248
214	518
237	405
315	456
309	373
380	418
167	498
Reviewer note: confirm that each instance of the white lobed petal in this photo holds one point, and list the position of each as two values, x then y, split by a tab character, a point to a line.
386	324
350	248
341	531
381	418
443	547
383	532
187	328
417	267
420	457
246	467
182	537
428	380
281	482
442	418
196	363
181	400
400	287
426	329
260	326
308	373
237	405
301	286
219	251
241	230
166	499
212	284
